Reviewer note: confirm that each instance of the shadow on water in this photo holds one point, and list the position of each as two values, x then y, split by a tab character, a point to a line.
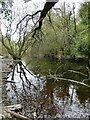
52	98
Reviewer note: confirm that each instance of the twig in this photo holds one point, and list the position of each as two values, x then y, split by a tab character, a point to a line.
25	18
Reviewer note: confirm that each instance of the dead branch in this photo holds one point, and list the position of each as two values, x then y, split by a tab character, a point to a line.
14	107
50	20
69	80
46	9
74	19
77	72
17	115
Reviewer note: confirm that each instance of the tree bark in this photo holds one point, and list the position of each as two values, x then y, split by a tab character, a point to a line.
47	7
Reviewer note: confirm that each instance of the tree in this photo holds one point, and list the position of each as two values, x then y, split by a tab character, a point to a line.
46	9
24	40
22	45
83	33
82	30
58	33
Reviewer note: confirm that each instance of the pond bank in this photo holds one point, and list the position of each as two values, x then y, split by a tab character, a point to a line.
5	71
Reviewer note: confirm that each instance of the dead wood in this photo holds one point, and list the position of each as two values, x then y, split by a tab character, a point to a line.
17	115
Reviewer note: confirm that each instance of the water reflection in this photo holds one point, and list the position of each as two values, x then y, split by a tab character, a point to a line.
51	98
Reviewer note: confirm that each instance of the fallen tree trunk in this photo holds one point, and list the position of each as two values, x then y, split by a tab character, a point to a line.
13	107
17	115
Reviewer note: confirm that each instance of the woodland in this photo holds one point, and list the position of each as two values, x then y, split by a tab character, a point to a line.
53	35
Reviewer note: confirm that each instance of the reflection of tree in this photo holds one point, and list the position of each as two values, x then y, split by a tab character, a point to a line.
83	94
58	94
44	101
49	91
62	90
62	96
32	98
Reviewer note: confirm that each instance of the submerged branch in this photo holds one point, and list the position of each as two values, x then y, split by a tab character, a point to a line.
77	72
70	80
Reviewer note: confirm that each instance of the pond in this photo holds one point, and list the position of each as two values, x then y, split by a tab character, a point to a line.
50	97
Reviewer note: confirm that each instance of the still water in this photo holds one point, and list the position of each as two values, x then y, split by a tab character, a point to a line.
49	97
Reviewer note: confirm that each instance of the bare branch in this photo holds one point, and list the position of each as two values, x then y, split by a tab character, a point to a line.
47	7
28	15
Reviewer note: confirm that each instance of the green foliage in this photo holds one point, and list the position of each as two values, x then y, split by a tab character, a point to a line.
59	37
83	13
59	34
82	41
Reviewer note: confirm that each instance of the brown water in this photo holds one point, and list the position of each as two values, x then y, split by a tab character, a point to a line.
52	98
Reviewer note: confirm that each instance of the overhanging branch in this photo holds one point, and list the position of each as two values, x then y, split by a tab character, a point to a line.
47	7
